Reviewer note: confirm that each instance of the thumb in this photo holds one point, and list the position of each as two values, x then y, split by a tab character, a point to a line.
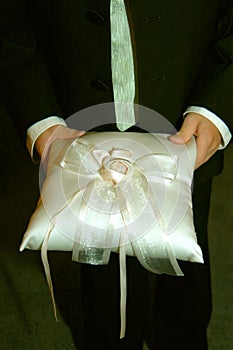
185	134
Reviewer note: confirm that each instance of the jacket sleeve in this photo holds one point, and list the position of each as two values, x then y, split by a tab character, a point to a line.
25	86
214	87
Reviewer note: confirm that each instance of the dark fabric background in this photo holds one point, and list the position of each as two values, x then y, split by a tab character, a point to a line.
26	315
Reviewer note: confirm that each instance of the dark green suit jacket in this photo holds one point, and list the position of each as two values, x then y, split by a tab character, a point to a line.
55	58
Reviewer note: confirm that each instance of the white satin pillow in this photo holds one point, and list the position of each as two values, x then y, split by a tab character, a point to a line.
110	189
123	192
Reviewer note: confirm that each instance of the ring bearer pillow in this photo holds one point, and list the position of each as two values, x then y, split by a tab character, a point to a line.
117	192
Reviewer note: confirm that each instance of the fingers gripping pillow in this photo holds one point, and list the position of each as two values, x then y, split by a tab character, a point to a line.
123	192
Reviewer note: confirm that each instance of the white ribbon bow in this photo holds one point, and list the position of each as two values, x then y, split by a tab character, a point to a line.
117	208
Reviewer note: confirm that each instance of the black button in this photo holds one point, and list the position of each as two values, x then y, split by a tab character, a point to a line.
100	85
152	18
95	18
157	81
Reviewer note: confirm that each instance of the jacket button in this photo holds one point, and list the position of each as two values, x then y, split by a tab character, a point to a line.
157	81
152	18
100	85
95	18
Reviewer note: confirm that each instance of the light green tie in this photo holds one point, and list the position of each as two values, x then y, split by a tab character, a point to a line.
122	66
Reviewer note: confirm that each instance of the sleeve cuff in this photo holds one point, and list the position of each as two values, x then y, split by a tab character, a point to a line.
222	127
34	131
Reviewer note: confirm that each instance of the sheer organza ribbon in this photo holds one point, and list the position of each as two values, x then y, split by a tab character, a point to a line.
116	211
